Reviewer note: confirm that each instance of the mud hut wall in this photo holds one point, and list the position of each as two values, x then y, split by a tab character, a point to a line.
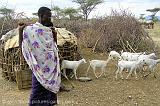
15	68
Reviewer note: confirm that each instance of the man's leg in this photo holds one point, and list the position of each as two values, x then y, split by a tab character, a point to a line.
41	96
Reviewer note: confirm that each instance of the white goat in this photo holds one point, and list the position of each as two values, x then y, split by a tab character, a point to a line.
66	64
132	65
130	56
98	64
149	56
152	65
136	56
142	56
114	54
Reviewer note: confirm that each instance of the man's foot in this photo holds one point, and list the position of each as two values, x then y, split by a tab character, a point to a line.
64	89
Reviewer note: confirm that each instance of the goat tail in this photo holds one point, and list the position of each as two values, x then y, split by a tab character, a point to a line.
108	59
158	60
89	60
61	68
121	51
62	65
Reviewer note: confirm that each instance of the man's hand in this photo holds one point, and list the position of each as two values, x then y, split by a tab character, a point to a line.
54	33
21	26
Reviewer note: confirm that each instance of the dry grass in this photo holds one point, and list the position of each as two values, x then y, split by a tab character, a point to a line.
156	31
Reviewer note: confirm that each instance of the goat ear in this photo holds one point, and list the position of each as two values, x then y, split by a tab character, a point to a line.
121	51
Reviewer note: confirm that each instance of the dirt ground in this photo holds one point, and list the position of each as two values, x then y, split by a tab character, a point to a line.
105	91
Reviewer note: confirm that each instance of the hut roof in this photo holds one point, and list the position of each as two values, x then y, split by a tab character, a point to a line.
63	36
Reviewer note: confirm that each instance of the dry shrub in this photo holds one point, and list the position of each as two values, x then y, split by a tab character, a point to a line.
7	24
119	31
74	26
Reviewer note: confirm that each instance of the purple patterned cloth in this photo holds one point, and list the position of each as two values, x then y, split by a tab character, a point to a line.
41	54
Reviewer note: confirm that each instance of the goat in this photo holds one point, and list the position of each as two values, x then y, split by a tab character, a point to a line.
132	65
98	64
114	54
152	65
149	56
66	64
142	56
130	56
136	56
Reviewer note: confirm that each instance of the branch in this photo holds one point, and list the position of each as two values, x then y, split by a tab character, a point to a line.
96	43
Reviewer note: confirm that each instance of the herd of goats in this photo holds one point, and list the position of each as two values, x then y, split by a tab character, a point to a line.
126	60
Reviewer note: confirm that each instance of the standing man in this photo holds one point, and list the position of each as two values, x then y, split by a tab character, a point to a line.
41	54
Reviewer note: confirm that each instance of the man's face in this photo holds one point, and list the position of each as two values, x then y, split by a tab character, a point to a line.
46	18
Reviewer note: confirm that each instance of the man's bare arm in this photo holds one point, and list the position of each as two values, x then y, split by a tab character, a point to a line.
21	27
54	34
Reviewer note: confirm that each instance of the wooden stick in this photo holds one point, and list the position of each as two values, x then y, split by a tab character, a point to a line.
131	47
96	43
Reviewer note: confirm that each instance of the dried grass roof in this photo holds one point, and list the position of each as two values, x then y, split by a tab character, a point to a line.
63	36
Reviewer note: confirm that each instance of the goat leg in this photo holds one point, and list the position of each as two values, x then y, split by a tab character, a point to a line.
129	73
135	73
147	74
155	76
102	71
75	73
117	72
95	73
121	73
87	70
64	74
72	76
154	73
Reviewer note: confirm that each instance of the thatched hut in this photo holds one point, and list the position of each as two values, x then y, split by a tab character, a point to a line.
14	67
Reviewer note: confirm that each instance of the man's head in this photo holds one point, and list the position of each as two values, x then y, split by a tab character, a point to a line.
44	15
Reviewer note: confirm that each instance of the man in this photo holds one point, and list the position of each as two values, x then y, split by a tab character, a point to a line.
41	54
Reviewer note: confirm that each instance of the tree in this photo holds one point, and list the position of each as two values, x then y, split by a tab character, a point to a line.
7	20
6	12
154	12
142	16
87	6
71	12
57	12
35	14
